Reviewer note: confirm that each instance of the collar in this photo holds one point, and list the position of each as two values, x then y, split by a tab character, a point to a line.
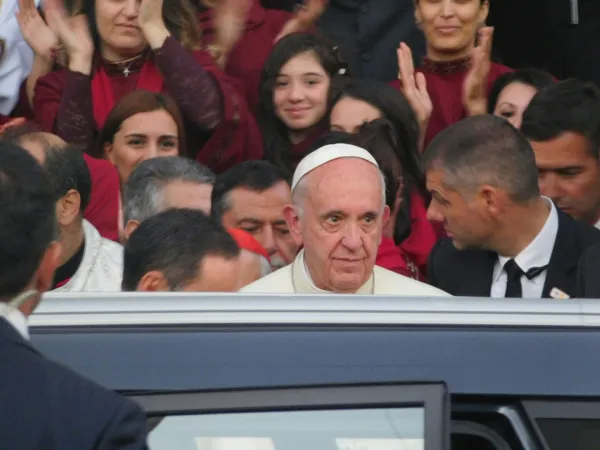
303	283
17	320
539	251
461	65
597	224
65	272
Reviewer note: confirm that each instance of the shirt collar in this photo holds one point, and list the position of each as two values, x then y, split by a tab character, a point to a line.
17	319
539	251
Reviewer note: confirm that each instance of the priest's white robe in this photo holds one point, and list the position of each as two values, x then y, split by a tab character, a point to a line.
295	279
101	268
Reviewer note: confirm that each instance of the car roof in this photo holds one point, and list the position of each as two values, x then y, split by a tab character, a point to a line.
190	342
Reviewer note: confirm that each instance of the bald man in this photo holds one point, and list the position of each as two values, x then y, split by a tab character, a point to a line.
338	213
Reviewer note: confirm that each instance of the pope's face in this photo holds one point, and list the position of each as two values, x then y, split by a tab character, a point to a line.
339	218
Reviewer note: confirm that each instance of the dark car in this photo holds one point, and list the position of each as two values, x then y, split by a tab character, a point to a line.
239	372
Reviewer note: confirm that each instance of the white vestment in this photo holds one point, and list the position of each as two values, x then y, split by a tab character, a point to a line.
294	279
101	268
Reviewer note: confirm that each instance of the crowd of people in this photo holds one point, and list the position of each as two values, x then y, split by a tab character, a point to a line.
224	146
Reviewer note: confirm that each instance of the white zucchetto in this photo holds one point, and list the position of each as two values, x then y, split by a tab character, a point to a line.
328	153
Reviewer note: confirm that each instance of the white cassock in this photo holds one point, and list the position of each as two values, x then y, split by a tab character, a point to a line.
101	268
295	279
16	58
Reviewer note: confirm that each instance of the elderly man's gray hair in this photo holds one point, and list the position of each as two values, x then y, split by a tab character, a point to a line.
143	196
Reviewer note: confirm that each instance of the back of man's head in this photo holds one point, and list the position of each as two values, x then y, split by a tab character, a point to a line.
27	219
484	150
567	106
167	250
143	195
256	176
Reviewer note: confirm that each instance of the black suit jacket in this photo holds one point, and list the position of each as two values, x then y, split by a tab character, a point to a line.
469	273
44	405
588	277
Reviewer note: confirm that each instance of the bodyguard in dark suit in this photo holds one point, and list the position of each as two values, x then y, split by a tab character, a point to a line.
505	239
44	405
588	277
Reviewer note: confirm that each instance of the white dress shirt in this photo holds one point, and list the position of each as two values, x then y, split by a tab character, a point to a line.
536	254
16	59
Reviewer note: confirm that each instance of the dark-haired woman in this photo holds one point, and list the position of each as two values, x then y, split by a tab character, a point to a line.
243	46
362	102
301	77
512	92
457	72
116	47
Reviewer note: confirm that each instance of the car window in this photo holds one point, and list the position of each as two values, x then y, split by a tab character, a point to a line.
358	429
571	434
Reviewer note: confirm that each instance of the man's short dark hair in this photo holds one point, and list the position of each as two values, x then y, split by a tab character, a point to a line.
568	106
27	218
68	170
65	164
253	175
485	150
143	194
174	242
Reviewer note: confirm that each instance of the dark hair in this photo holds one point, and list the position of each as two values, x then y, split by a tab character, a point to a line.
254	175
179	16
136	102
27	218
485	150
569	105
143	192
64	164
274	132
535	78
404	125
68	170
174	242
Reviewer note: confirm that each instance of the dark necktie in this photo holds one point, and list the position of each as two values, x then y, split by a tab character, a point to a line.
513	278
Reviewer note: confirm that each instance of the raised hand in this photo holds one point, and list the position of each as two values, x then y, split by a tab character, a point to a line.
42	40
304	18
475	84
73	33
12	123
150	20
414	88
230	22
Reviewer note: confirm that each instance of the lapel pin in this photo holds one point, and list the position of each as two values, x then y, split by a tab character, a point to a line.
558	294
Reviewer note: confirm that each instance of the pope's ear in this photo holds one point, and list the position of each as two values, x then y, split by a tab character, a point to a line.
291	214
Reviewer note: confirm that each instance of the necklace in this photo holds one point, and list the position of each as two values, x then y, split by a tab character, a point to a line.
127	66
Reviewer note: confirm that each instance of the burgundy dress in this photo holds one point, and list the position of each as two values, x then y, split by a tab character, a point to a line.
221	131
445	86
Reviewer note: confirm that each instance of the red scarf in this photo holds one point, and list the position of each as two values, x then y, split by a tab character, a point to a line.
103	97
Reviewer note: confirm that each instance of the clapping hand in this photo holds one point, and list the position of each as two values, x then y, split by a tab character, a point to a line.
42	40
414	88
304	18
475	85
150	20
73	33
230	22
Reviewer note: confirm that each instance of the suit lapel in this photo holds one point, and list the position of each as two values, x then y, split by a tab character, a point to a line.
480	268
8	335
564	258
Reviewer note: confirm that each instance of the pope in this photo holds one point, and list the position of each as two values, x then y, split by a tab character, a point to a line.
338	214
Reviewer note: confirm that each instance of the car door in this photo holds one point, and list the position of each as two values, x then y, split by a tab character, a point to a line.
342	417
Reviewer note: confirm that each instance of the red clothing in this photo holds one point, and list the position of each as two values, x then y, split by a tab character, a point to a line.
423	234
391	257
445	86
246	60
205	95
103	210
